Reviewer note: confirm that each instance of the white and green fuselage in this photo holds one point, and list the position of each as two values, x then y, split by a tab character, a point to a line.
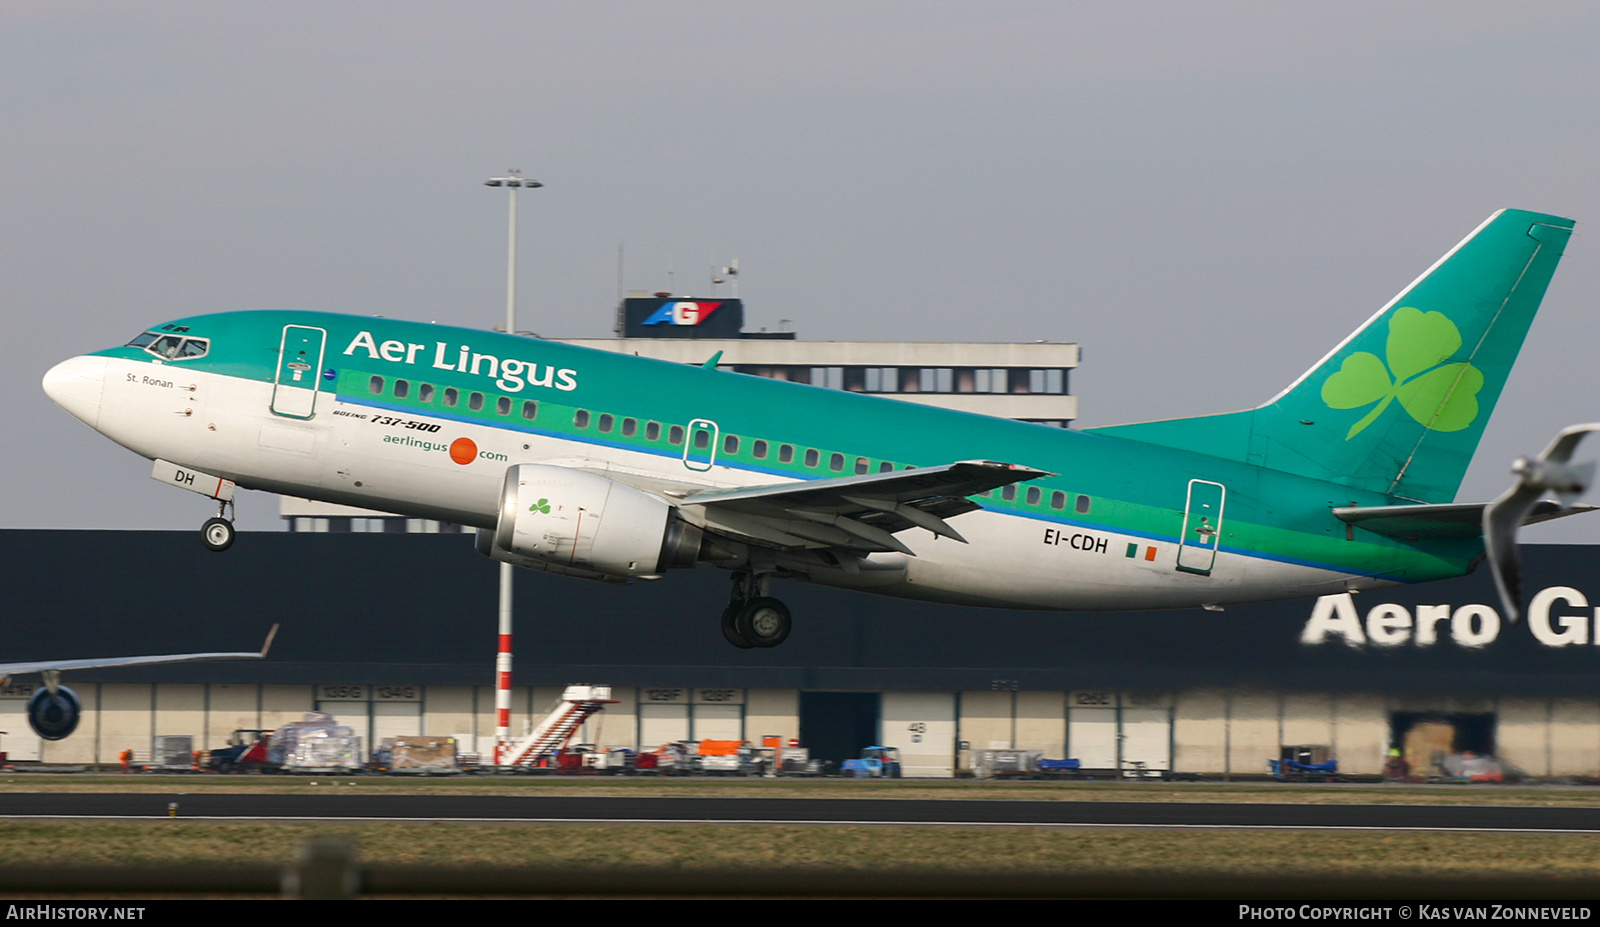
425	421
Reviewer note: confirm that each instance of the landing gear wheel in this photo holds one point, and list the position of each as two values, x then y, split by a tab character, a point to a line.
217	533
729	617
764	622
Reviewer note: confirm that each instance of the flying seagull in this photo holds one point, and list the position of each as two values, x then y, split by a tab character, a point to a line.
1549	472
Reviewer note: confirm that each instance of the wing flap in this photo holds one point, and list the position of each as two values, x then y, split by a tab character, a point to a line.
858	513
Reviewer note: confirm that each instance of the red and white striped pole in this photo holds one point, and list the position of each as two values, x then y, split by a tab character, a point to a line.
502	672
502	660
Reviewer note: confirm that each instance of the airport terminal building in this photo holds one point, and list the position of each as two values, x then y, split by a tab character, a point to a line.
395	634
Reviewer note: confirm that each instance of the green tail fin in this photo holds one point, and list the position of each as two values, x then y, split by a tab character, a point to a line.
1399	406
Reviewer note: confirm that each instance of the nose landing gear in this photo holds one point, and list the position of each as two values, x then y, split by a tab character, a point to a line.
753	618
217	533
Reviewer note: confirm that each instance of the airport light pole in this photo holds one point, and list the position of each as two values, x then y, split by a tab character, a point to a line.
502	664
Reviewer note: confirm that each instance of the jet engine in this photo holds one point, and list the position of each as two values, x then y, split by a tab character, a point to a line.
54	715
582	523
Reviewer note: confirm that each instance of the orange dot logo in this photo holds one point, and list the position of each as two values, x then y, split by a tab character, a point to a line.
463	451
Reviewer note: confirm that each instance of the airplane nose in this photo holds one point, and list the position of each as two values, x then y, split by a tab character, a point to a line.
76	384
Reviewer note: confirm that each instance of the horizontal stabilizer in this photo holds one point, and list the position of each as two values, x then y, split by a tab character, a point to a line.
1451	520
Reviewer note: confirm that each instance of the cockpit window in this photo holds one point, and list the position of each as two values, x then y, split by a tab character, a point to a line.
171	347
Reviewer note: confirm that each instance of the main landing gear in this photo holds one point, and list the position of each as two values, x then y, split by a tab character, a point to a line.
753	618
217	533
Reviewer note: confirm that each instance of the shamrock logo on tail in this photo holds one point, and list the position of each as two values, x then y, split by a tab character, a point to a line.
542	507
1436	394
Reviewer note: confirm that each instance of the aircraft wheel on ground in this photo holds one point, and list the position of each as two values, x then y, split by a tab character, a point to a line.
729	617
764	622
217	533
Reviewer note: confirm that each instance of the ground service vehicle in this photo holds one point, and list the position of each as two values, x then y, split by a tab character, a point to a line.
874	763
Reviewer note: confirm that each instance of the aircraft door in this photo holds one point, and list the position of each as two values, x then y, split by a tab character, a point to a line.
1202	527
294	389
700	445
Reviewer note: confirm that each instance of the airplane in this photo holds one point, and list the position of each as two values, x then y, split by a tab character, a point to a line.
54	710
615	468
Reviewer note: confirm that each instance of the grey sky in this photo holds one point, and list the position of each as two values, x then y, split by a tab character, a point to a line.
1207	197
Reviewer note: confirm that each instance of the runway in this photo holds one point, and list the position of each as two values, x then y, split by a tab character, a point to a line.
820	811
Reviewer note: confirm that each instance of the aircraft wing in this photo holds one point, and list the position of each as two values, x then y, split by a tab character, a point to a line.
7	670
859	513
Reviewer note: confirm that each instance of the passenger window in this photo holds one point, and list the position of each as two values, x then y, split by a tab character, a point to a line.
730	444
503	405
530	410
812	457
424	392
376	385
1034	495
1082	505
675	435
702	439
652	431
475	402
401	389
1058	499
836	462
580	418
1009	493
606	421
785	453
885	467
630	427
451	397
759	449
863	465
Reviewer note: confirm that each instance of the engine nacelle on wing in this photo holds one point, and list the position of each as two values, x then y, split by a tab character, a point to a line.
582	522
54	715
485	545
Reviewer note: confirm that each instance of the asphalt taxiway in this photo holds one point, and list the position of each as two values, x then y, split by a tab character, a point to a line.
817	811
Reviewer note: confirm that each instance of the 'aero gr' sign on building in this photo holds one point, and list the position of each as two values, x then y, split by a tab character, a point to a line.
1557	616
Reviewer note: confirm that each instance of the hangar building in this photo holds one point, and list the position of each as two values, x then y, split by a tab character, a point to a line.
395	633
